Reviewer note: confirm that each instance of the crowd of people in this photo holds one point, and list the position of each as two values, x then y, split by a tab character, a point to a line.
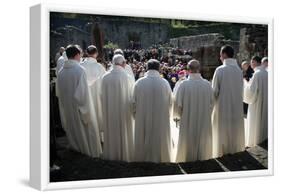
124	111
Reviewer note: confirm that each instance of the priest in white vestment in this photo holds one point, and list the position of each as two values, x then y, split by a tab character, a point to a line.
152	102
128	68
74	97
227	118
256	95
94	72
59	54
60	62
264	63
116	97
193	106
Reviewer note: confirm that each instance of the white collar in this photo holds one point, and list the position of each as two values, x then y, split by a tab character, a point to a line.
118	68
230	61
92	59
259	68
70	63
194	76
152	73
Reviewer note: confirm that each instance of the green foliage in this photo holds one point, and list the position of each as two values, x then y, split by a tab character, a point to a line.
111	45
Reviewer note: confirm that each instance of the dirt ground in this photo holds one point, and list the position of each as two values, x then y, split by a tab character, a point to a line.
75	166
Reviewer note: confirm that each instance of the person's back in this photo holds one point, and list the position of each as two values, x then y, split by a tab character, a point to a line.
94	70
228	121
153	100
229	73
73	96
193	106
116	92
256	95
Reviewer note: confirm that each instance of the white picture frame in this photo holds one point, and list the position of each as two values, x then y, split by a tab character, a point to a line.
39	97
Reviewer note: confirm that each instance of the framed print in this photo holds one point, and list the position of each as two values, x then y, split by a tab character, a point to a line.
133	97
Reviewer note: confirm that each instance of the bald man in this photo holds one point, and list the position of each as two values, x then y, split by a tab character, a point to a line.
193	106
264	63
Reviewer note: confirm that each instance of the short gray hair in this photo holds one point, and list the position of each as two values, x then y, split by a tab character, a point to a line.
118	59
265	59
118	51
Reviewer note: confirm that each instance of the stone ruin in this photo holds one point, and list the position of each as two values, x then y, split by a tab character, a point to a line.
205	48
253	41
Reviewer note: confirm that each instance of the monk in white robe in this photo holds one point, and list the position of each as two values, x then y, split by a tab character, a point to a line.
128	68
152	104
60	62
116	97
264	63
94	72
256	95
59	54
73	94
227	118
193	106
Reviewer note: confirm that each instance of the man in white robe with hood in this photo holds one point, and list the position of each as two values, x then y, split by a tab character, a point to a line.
256	95
94	72
116	97
227	118
193	106
74	97
152	102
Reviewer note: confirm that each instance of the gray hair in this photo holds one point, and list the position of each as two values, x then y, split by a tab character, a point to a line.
264	60
118	59
118	51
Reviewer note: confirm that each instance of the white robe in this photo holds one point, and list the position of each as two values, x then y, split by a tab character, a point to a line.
152	104
60	62
130	72
177	85
227	118
256	95
94	72
73	94
194	105
116	97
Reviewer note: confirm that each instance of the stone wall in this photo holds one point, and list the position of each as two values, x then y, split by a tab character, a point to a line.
121	32
253	41
206	49
68	35
117	31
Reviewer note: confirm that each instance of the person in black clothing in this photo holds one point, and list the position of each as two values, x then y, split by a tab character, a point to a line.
247	70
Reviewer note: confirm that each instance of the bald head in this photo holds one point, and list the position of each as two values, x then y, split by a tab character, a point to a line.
62	49
194	66
119	60
264	61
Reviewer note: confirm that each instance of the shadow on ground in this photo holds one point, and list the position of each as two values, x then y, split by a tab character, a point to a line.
75	166
240	161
